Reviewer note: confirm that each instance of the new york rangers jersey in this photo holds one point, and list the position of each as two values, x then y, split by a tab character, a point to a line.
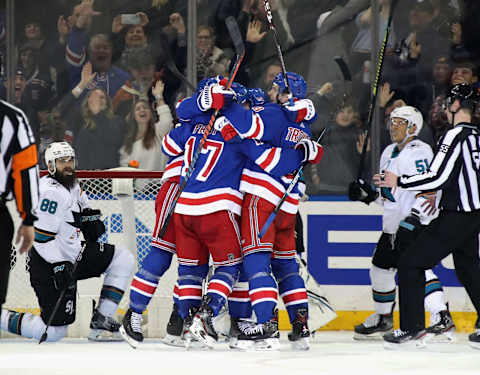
214	183
414	158
57	230
269	123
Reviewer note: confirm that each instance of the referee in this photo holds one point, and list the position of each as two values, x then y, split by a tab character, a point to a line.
455	169
18	174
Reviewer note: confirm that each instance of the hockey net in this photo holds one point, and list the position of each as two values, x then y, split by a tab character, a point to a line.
126	199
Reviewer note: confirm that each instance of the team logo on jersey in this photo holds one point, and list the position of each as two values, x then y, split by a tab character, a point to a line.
258	108
230	256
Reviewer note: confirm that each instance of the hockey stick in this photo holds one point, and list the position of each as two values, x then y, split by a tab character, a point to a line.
62	293
271	25
373	99
240	52
287	192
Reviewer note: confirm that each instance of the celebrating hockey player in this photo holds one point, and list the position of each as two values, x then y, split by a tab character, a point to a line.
59	258
206	215
285	125
405	156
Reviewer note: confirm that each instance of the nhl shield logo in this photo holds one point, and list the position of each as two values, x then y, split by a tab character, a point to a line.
230	256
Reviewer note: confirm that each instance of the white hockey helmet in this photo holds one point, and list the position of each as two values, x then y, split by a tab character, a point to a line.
57	150
411	115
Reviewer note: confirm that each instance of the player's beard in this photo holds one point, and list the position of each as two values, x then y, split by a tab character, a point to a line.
66	180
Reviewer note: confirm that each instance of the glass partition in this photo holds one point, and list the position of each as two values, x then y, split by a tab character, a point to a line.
105	75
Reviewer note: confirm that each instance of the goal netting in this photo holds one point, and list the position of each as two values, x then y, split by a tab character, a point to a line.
126	199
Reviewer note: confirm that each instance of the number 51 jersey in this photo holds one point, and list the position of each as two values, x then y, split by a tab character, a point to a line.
57	230
214	183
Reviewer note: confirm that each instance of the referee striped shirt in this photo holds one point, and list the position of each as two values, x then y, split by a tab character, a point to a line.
18	164
455	169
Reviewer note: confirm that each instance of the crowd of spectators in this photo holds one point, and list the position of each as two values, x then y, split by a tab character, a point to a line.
97	73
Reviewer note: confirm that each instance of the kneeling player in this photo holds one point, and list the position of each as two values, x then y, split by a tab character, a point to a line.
56	263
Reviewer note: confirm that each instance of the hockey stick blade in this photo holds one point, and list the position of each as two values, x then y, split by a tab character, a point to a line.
235	34
290	187
347	76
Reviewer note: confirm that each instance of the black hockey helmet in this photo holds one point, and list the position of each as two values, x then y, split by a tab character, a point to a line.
465	94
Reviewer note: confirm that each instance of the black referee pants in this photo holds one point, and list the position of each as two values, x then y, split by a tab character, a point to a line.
6	237
451	232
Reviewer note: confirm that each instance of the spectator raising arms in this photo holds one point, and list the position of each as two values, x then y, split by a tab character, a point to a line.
143	135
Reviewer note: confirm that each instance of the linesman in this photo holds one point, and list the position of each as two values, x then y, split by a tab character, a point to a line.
455	169
18	175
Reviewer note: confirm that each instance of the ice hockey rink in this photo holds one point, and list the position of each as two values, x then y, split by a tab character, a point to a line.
331	352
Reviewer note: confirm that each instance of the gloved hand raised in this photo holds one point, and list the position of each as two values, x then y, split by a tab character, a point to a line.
313	151
215	96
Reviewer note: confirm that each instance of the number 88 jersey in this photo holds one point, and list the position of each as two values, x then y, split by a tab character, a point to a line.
413	159
57	230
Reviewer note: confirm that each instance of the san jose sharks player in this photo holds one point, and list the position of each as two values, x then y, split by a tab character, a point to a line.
63	214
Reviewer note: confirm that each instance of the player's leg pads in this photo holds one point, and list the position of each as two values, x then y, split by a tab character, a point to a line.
383	289
174	329
190	280
291	286
29	326
239	305
157	262
263	288
221	285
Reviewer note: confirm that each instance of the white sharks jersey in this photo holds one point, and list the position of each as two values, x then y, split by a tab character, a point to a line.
57	230
414	158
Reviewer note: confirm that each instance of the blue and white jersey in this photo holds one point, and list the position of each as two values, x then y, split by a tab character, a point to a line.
215	181
269	123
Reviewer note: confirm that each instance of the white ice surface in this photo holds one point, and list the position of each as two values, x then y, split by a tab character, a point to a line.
330	353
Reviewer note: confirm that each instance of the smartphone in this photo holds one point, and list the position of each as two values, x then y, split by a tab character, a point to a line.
130	19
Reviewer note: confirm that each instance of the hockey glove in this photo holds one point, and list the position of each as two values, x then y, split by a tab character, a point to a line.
215	96
359	190
226	128
312	150
407	232
92	227
299	110
62	275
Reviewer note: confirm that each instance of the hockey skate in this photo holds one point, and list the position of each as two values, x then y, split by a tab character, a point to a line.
174	329
259	336
374	327
190	341
474	338
131	328
103	328
237	326
300	335
399	339
202	326
443	328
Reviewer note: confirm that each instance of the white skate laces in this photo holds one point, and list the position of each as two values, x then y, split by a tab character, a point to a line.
372	321
136	322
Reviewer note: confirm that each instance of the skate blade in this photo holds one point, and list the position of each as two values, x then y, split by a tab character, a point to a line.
172	340
442	338
198	332
411	344
101	335
237	344
474	345
301	344
133	343
267	344
371	337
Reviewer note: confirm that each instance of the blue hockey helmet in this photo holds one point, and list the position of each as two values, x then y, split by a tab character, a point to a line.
256	97
240	92
296	81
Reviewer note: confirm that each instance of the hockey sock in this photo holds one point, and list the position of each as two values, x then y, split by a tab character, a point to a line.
239	305
220	286
190	280
110	297
434	295
290	285
383	289
263	289
29	326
